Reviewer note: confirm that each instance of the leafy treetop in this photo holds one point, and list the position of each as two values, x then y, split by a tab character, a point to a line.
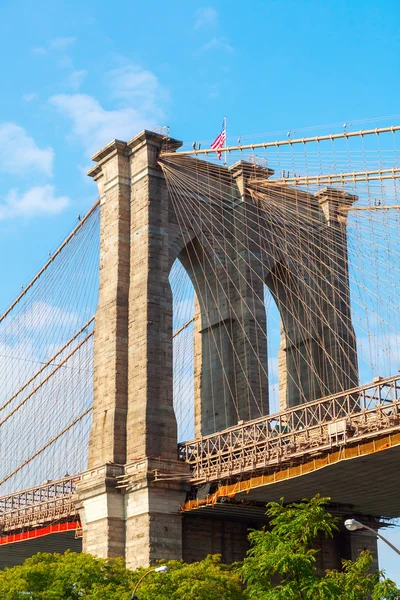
280	565
282	561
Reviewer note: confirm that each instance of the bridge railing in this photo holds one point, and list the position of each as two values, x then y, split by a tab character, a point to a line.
38	505
264	443
270	441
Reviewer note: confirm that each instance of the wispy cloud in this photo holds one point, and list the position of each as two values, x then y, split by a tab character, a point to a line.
138	93
18	358
37	201
30	97
61	44
93	125
213	91
19	152
75	79
65	62
138	87
39	50
42	315
218	43
205	17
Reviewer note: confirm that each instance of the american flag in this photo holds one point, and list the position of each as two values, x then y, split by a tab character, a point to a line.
219	141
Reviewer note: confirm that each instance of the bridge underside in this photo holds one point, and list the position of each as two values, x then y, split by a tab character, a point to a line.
14	554
363	479
220	522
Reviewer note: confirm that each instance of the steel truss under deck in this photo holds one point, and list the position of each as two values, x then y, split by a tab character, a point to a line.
263	445
271	442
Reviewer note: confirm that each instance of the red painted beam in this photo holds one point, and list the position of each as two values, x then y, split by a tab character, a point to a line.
39	532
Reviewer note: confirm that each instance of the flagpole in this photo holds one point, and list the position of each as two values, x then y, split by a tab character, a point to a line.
225	142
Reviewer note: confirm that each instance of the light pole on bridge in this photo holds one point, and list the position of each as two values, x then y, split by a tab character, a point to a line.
353	525
162	569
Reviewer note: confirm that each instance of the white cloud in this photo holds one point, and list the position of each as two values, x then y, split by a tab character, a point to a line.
42	315
83	170
213	91
378	353
39	200
61	43
19	152
95	126
76	79
218	43
65	62
205	17
136	86
30	97
18	362
138	92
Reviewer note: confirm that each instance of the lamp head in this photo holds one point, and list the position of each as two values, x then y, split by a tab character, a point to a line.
162	569
352	524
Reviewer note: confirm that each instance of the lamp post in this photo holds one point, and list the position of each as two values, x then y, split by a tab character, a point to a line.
162	569
352	525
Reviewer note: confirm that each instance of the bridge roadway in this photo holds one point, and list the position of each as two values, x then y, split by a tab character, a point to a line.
317	447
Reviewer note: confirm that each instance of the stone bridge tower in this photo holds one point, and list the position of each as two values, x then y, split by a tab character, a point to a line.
124	511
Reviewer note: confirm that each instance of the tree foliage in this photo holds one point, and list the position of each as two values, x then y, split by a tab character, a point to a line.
69	576
208	579
77	576
281	565
282	561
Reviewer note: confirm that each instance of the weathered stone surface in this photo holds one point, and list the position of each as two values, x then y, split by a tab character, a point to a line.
102	511
124	511
130	495
108	435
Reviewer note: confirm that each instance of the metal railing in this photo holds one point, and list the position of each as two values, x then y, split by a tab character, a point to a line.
267	443
39	505
264	444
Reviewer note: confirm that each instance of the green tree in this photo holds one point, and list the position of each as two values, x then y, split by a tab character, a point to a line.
208	579
69	576
79	576
281	565
282	562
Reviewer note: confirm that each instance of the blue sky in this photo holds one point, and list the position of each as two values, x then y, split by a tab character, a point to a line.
77	74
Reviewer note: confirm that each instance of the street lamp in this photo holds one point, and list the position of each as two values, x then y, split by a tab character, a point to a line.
162	569
352	525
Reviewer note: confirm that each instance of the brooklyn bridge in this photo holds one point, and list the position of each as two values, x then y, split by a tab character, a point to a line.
212	335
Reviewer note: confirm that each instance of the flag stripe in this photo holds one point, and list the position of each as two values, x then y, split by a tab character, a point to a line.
219	141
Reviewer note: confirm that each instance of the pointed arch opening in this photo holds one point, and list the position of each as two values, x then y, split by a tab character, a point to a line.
274	342
183	351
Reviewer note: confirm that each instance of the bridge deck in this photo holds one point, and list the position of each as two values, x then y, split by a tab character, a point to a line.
273	442
368	483
318	447
363	477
